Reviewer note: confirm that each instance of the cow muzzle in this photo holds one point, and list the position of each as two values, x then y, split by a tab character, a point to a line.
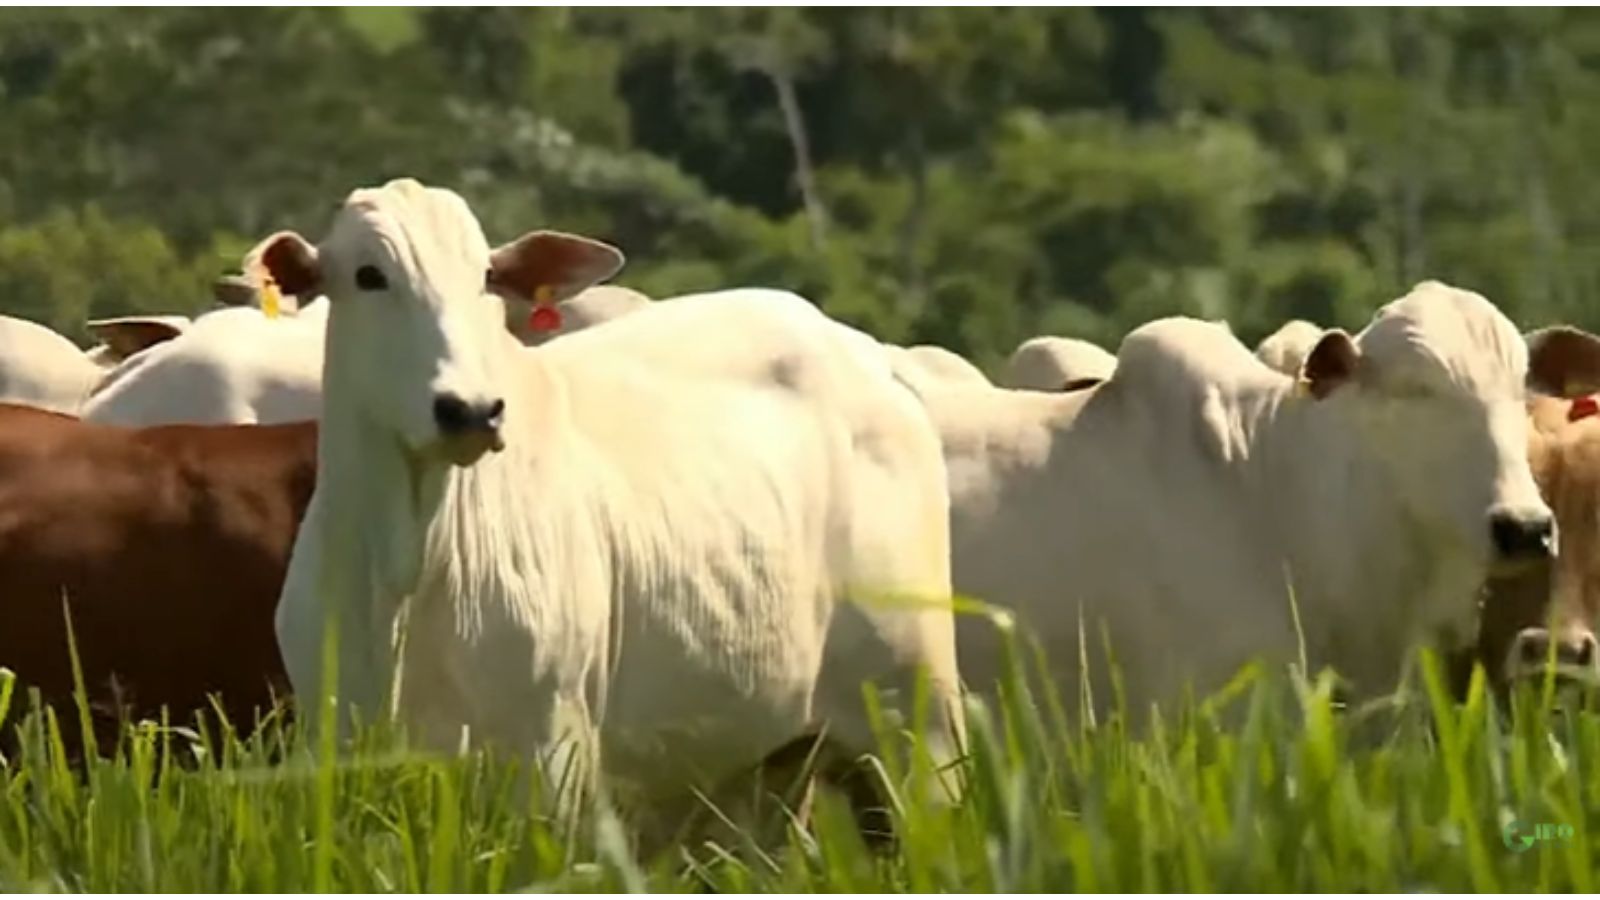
467	430
1572	656
1521	538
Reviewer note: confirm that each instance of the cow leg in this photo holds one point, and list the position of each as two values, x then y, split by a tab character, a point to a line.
749	812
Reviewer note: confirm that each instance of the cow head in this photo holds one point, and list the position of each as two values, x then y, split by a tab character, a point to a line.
1436	385
1532	626
413	339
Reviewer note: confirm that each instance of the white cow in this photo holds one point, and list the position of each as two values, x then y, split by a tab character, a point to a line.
39	367
1057	363
230	366
675	544
1177	503
1286	349
938	362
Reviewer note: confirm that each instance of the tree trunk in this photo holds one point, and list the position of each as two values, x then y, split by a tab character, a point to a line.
794	122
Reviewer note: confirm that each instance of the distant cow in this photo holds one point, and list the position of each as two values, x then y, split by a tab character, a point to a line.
231	366
166	546
1057	364
938	362
40	368
1286	349
1179	503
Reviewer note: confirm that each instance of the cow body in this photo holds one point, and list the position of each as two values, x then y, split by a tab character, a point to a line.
1285	350
232	366
1179	504
42	369
167	547
1057	363
694	545
938	362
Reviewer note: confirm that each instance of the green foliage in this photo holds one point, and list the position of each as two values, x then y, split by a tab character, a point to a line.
74	265
969	177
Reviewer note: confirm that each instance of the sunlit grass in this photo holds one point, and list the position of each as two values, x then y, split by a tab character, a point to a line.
1268	786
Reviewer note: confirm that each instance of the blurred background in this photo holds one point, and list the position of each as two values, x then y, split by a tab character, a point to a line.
961	177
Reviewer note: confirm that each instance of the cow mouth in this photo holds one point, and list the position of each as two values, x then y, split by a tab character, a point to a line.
1516	566
465	450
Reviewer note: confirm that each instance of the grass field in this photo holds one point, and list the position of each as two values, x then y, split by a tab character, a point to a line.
1266	787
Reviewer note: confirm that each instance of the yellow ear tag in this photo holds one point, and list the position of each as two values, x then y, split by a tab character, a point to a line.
271	300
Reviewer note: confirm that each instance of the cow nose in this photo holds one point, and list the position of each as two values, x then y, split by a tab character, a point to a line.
455	416
1521	535
1575	650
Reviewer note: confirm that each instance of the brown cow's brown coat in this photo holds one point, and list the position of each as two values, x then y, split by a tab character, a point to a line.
1565	457
168	545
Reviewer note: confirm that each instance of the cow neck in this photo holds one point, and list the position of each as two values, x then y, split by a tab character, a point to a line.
513	534
1356	575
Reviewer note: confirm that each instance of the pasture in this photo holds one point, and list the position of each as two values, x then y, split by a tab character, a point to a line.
663	374
1267	786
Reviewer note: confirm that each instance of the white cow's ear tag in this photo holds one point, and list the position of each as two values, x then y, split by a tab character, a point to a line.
545	316
271	300
1302	386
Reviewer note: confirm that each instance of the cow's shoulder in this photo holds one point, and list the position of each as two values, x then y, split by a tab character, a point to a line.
1177	356
1183	376
752	335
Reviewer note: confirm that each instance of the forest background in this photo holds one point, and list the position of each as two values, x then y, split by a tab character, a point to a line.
961	177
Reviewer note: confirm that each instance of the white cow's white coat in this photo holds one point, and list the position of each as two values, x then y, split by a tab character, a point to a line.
40	368
938	362
1049	363
1285	350
1176	503
654	570
230	366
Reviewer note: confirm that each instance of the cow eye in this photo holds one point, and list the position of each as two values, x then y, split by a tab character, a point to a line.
370	278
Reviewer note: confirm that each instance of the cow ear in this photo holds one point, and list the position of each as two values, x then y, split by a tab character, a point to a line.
563	263
128	335
290	259
1563	362
1331	363
235	290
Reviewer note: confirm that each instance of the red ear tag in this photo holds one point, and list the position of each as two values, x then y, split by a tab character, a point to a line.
545	317
1582	408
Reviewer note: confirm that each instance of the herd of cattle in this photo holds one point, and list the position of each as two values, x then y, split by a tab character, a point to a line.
668	539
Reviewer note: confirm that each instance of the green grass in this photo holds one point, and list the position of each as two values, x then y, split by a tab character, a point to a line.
1267	787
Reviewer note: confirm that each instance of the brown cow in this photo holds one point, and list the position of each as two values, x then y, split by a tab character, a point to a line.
168	547
1521	614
